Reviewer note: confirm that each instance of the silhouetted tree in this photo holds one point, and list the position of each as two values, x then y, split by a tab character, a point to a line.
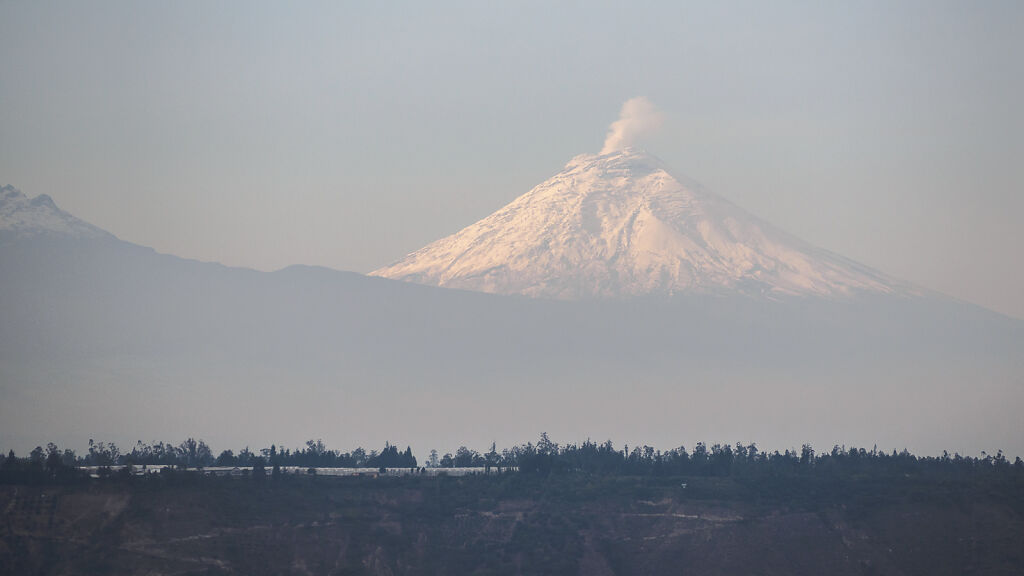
227	458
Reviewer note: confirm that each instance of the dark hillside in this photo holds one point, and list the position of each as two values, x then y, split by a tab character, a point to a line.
515	524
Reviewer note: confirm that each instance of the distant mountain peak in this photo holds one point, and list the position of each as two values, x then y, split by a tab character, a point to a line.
22	217
620	225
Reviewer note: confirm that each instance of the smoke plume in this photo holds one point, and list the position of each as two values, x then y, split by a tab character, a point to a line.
637	119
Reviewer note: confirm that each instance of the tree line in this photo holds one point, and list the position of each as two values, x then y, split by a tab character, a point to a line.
543	457
53	464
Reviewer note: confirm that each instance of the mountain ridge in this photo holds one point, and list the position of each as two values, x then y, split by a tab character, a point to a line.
21	216
104	338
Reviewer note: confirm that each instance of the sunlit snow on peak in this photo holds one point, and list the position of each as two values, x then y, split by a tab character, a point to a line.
617	225
22	216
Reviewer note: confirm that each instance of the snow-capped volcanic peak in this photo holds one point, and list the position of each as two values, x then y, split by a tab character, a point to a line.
22	217
619	225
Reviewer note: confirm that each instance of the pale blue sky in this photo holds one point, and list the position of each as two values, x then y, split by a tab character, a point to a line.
347	135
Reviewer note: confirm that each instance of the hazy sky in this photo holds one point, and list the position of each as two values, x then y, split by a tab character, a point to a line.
347	135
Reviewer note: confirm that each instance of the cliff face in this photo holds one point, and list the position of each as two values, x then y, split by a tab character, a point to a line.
514	525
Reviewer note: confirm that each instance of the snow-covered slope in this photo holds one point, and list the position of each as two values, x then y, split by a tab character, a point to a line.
21	216
620	225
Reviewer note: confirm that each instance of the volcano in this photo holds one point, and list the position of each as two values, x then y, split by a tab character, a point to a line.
620	225
661	313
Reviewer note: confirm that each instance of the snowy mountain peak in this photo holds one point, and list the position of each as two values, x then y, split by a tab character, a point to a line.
22	217
620	225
